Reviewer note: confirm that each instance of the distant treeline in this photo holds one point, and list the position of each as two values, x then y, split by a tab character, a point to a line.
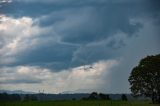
42	97
101	96
17	97
9	97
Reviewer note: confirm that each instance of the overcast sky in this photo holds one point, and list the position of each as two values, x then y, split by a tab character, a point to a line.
75	45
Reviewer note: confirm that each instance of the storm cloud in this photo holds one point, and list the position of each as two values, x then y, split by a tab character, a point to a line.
59	36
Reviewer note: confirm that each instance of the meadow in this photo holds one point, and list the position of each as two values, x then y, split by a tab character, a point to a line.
79	103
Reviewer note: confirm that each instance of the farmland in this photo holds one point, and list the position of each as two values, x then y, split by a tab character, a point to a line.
79	103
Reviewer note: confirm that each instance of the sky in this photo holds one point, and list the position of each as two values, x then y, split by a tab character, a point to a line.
76	46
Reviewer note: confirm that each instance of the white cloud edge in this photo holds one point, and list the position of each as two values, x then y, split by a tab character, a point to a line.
56	82
18	35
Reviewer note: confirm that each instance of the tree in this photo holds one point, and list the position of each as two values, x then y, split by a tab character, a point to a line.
9	97
124	97
108	97
26	98
145	78
14	97
4	97
30	97
102	96
93	96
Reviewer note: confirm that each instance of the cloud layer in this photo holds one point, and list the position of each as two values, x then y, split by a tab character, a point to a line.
76	78
49	41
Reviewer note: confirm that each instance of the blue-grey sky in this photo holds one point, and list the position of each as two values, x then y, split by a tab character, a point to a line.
45	44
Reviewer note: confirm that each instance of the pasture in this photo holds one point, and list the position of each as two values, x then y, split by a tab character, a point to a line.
79	103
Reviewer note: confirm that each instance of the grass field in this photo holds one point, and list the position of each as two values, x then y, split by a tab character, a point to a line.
78	103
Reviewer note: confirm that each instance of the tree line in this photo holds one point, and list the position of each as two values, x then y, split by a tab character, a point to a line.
34	97
17	97
101	96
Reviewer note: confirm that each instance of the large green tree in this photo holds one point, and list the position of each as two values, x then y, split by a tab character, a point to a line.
145	78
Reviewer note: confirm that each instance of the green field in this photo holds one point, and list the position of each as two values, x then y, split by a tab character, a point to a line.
77	103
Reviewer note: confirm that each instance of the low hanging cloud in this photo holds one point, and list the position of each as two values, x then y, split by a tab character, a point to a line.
75	79
22	74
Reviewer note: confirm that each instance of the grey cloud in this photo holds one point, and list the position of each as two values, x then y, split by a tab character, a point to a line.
98	24
84	32
54	56
78	23
22	75
136	49
21	81
88	24
38	8
90	54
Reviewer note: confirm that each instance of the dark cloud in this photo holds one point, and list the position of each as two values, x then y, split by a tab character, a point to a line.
79	23
56	56
100	23
21	81
73	33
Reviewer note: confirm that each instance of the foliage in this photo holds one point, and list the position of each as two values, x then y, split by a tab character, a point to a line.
9	97
124	97
145	78
93	96
96	96
30	97
102	96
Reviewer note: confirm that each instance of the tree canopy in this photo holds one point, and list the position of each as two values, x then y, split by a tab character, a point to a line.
145	78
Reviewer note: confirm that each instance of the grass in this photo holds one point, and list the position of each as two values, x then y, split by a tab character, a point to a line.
78	103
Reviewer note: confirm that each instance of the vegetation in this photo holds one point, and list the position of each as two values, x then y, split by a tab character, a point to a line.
124	97
30	97
104	97
96	96
78	103
145	78
9	97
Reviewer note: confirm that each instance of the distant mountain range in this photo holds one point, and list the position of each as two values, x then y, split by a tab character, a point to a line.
67	95
16	92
